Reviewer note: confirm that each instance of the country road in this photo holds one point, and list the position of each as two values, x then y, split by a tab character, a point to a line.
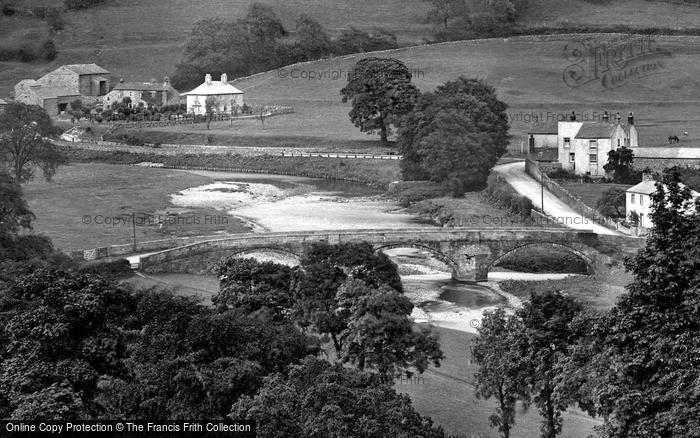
514	174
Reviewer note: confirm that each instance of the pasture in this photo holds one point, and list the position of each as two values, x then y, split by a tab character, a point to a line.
527	72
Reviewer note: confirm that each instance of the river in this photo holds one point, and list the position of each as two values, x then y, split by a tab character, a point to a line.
286	203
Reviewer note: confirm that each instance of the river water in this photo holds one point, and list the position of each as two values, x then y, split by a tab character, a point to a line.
286	203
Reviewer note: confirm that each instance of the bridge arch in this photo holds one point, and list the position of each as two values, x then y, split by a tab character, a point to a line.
590	263
433	251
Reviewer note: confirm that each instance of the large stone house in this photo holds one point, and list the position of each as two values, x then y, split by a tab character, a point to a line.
55	90
638	200
144	93
582	146
223	95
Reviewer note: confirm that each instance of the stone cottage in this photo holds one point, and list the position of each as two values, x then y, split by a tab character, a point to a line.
55	90
144	93
224	96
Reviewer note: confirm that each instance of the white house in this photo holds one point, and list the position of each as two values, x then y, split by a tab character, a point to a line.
224	96
638	200
582	146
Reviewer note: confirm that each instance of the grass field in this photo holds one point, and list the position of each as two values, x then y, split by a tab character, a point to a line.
96	193
589	193
526	72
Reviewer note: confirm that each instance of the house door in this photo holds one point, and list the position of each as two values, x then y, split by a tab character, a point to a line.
532	143
103	88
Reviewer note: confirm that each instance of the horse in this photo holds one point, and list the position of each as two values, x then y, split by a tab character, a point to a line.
673	139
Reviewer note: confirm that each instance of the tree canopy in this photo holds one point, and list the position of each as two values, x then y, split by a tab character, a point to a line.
23	142
454	135
381	92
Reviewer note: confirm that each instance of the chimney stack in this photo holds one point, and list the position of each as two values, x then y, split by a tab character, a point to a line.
630	118
606	116
647	176
573	116
166	81
207	79
617	118
224	78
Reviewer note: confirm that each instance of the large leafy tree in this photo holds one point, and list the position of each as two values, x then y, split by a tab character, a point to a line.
380	91
650	338
620	165
380	335
612	203
499	351
61	333
454	135
548	339
23	142
444	11
254	286
318	399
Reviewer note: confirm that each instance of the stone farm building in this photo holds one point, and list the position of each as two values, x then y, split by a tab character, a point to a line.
3	104
144	93
581	146
56	90
224	96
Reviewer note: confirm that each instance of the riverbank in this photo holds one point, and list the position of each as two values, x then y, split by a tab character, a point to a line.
374	173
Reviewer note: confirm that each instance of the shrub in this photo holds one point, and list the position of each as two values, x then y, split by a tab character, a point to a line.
108	268
505	197
81	4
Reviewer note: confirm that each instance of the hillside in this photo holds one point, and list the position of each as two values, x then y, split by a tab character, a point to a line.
142	39
528	76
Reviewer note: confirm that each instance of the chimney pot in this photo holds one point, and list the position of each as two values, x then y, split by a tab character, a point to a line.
617	118
224	78
207	79
630	118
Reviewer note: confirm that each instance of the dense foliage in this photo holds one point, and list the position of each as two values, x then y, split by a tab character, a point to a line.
381	92
612	203
317	399
254	44
454	135
620	166
24	145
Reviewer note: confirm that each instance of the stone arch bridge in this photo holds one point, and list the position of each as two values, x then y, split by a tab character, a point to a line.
469	252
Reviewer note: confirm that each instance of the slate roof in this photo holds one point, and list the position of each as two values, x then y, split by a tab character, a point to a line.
649	187
596	130
214	88
668	152
141	86
3	102
53	92
550	127
87	69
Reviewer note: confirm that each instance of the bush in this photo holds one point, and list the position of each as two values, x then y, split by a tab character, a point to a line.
81	4
505	197
107	268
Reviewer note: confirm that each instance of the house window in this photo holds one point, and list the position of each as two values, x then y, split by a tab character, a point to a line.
641	199
572	158
567	142
618	142
632	198
593	144
593	158
641	219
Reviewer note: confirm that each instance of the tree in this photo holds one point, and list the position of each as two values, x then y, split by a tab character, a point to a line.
263	24
313	41
506	10
253	286
498	350
209	108
318	399
547	337
650	338
380	91
445	10
23	142
454	135
612	203
380	335
620	165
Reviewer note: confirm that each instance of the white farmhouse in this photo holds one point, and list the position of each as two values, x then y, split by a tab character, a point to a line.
224	95
638	200
582	146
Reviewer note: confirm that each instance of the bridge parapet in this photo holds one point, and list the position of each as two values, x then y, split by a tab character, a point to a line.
471	252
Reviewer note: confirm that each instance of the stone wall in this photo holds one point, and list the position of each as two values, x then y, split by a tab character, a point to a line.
659	164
